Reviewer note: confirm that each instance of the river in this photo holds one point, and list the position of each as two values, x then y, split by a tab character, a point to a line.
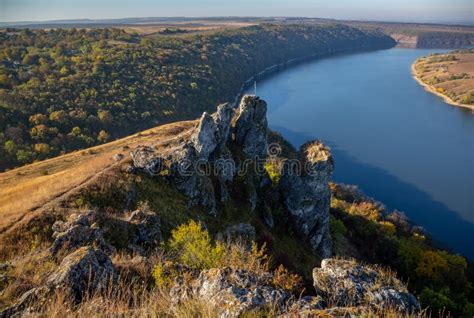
400	144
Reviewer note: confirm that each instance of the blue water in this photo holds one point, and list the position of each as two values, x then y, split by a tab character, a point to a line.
400	144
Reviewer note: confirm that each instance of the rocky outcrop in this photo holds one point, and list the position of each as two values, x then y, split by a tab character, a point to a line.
148	230
222	118
305	187
251	127
238	232
146	159
85	270
205	139
348	283
77	232
192	163
234	292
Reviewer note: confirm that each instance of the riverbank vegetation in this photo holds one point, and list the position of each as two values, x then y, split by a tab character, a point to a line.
67	89
363	229
449	75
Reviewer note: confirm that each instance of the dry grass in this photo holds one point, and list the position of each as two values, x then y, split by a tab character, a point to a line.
450	79
30	187
194	27
128	298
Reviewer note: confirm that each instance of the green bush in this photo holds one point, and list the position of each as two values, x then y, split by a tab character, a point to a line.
337	227
193	247
468	311
436	301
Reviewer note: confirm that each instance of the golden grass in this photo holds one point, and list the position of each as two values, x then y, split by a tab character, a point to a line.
452	90
194	27
30	187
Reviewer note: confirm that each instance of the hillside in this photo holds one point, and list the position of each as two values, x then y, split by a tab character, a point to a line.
450	76
68	89
33	186
221	202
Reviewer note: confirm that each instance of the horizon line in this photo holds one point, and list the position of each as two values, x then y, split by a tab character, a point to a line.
54	21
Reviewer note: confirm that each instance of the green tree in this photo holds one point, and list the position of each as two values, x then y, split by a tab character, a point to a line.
24	156
103	136
10	147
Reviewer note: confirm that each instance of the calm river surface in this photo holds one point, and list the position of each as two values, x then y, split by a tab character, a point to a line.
400	144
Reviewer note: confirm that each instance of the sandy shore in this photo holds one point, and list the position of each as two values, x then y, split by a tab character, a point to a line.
432	90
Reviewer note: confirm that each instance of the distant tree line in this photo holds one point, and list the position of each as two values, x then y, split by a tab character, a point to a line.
67	89
444	39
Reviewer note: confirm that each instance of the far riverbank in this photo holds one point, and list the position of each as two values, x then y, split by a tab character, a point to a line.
433	90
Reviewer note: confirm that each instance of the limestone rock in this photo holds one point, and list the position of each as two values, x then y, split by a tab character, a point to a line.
307	195
77	232
189	180
251	127
85	270
146	159
222	118
234	292
205	138
347	283
148	234
239	232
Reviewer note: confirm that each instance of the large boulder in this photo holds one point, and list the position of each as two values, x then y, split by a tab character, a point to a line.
233	292
146	159
307	196
84	272
148	228
348	283
251	127
77	232
87	270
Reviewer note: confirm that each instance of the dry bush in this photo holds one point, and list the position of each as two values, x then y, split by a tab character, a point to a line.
253	259
284	279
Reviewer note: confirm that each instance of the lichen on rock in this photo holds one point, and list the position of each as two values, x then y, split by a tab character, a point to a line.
77	232
349	283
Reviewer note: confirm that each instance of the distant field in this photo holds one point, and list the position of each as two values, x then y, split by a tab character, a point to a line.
194	27
449	75
408	35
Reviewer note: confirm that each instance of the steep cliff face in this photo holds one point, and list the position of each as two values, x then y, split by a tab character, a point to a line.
308	197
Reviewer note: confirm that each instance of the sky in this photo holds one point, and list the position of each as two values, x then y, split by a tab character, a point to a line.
446	11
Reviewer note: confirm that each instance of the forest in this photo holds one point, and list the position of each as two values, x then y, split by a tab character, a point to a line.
66	89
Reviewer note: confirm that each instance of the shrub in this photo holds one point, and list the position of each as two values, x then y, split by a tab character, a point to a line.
193	247
367	209
253	259
436	301
337	227
273	169
468	310
162	277
284	279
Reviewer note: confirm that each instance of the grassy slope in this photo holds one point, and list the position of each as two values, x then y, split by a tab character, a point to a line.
32	186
